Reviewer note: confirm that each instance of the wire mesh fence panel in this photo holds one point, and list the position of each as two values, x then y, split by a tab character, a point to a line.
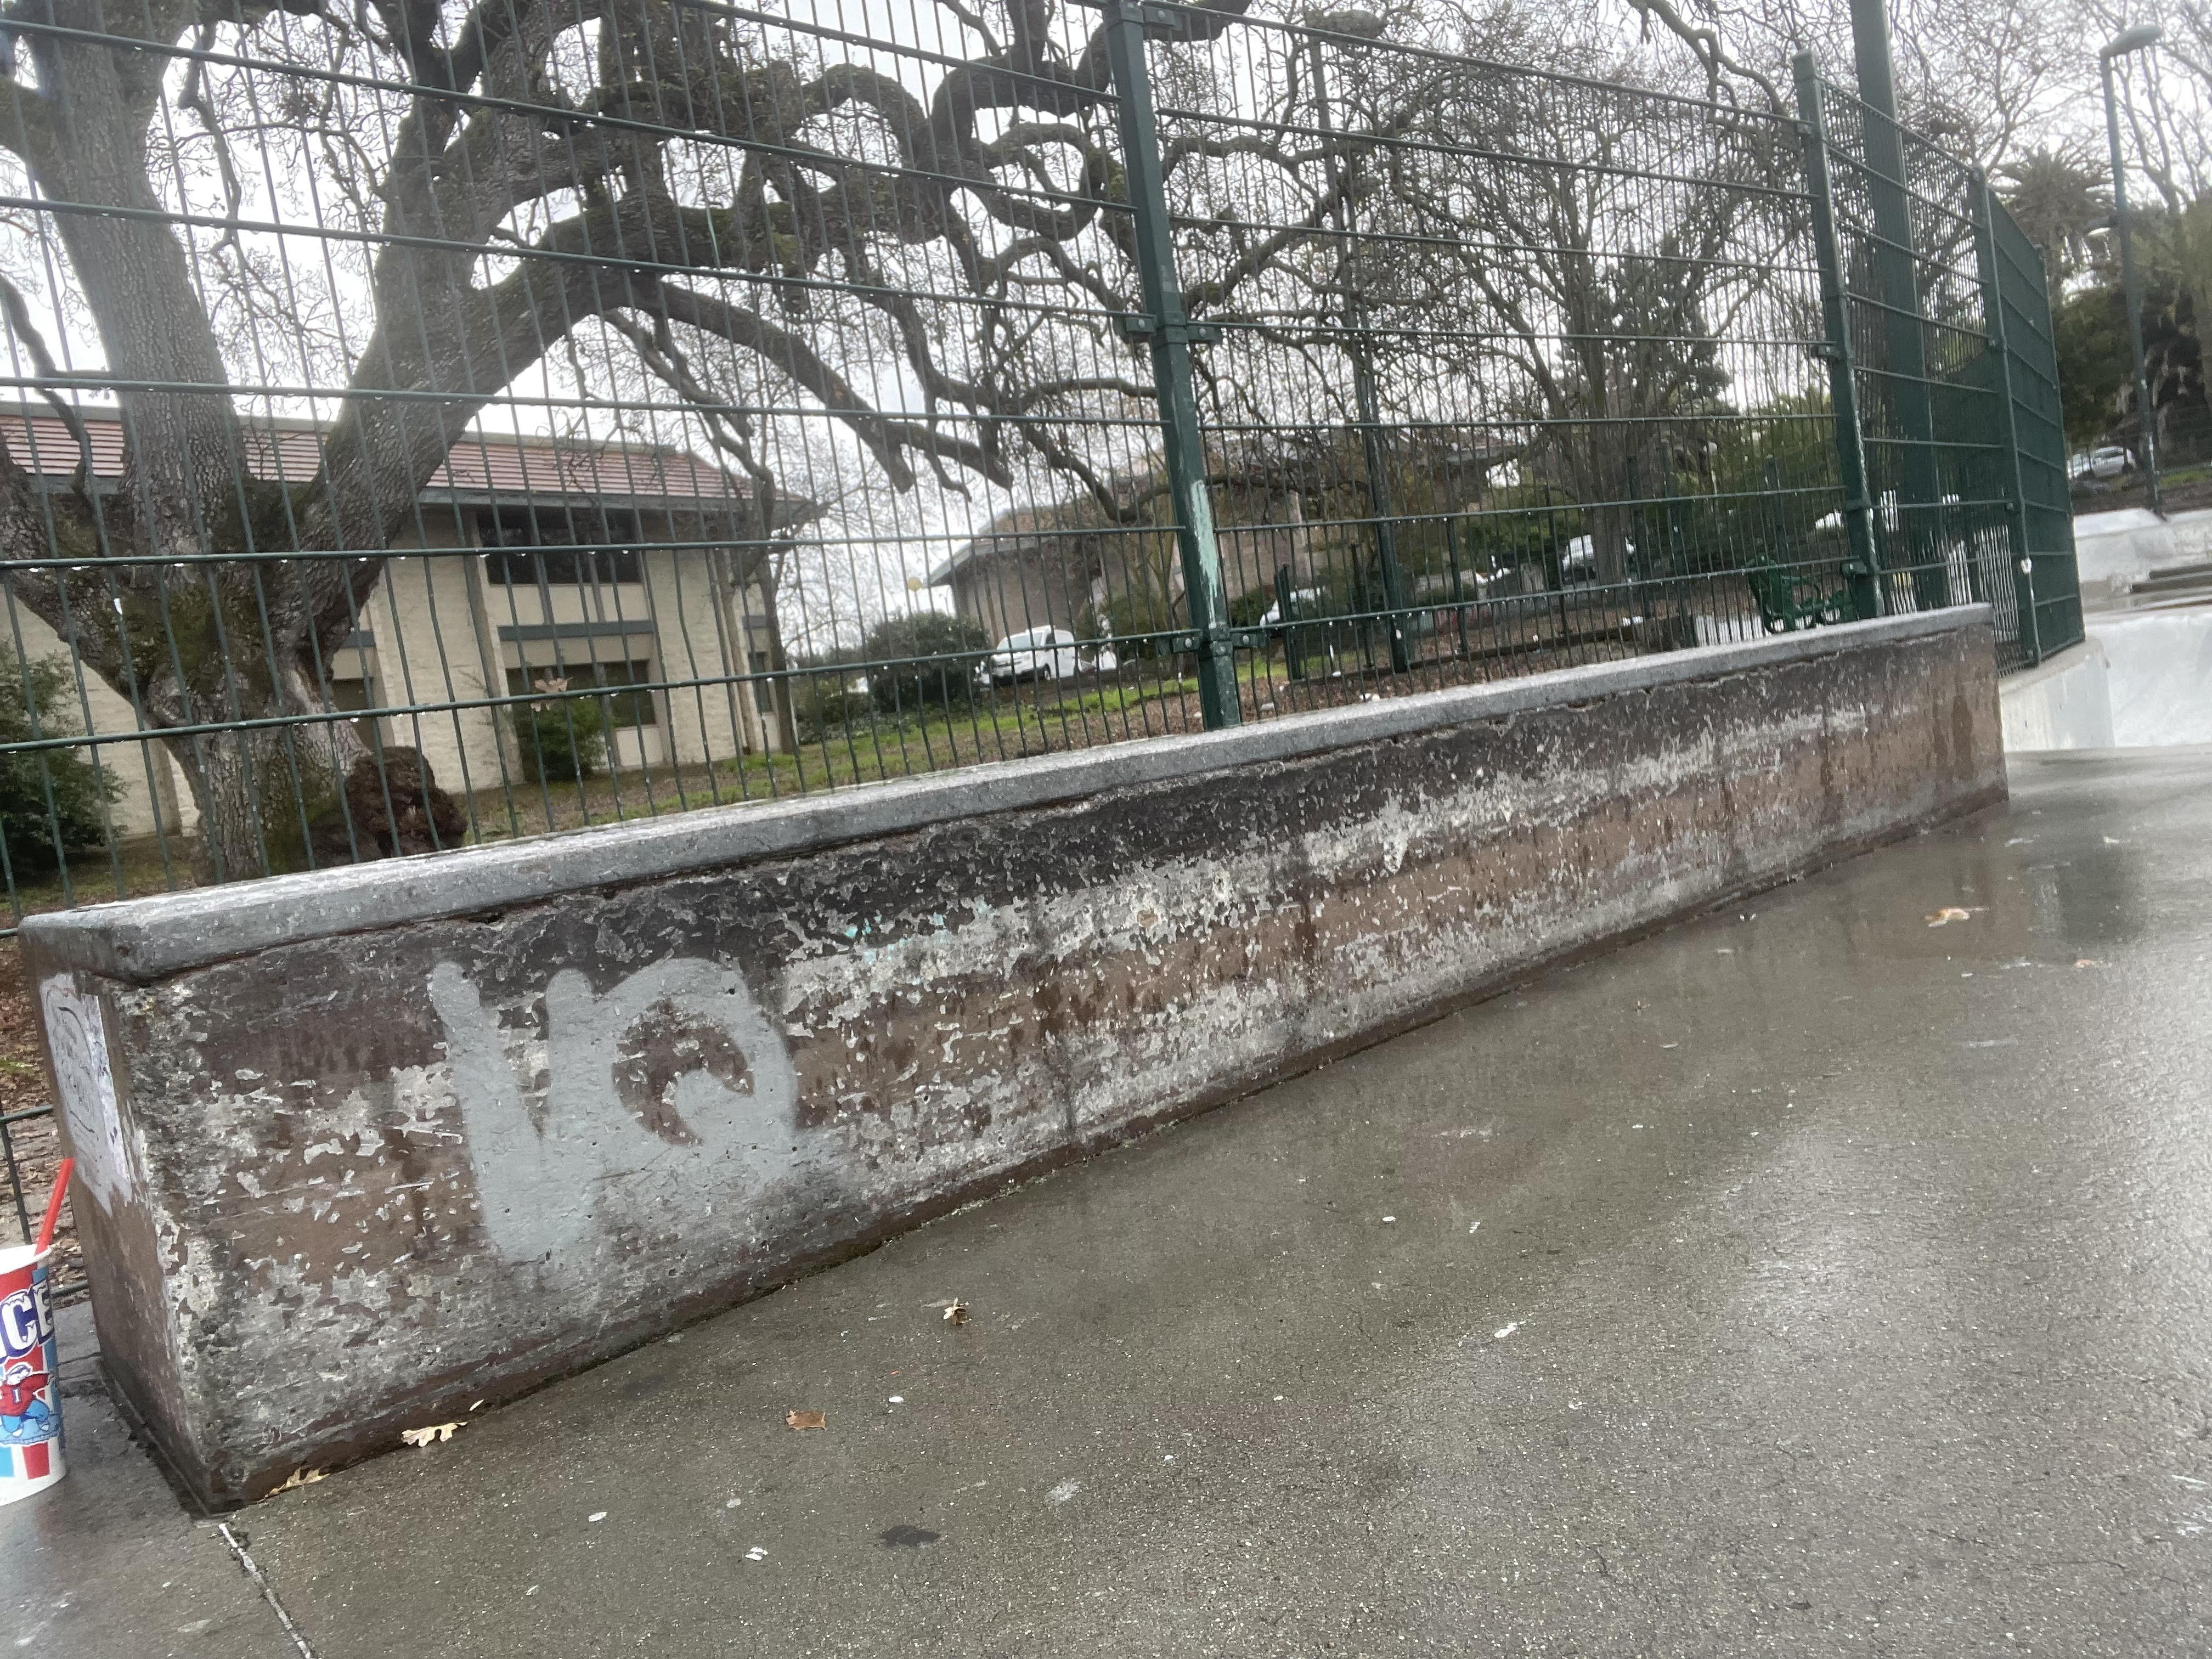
454	424
2039	446
1934	406
1514	366
437	424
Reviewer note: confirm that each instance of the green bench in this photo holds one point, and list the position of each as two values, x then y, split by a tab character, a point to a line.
1792	598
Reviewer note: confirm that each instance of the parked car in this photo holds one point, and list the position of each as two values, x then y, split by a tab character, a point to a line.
1578	559
1304	602
2112	461
1035	654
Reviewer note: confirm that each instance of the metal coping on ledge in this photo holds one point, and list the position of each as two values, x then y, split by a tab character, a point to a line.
145	940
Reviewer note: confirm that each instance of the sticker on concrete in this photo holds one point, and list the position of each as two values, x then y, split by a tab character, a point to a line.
667	1094
78	1037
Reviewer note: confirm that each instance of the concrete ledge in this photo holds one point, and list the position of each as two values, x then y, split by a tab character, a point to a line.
359	1150
2159	675
2063	702
144	940
2114	551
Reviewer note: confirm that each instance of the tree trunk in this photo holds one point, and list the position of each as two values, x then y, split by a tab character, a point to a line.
308	795
257	794
787	720
261	791
188	478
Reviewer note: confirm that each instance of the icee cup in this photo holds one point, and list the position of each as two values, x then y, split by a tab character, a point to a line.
30	1397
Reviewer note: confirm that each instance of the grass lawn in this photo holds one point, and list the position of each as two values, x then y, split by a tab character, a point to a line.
1033	720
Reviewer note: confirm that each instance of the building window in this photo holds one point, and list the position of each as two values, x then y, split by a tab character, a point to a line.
560	547
624	710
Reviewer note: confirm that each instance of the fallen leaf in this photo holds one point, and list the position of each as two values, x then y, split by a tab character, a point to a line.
2088	962
1949	913
955	1313
297	1479
805	1420
437	1432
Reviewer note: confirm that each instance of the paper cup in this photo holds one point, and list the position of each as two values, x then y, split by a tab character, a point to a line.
30	1398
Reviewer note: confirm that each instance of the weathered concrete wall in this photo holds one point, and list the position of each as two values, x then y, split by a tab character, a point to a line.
386	1141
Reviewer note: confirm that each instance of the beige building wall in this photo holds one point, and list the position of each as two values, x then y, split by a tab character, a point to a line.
153	788
430	634
434	644
701	635
1046	584
1059	579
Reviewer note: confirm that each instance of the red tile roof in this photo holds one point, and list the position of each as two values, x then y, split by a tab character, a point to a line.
481	467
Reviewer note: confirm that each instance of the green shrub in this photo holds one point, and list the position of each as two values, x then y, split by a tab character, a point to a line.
51	799
1246	609
949	650
563	740
824	702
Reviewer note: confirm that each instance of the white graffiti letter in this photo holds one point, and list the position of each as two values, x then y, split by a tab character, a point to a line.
669	1093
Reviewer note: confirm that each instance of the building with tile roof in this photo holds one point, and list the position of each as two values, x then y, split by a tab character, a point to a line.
527	559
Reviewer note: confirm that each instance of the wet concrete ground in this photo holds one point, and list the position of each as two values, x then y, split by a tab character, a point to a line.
1806	1279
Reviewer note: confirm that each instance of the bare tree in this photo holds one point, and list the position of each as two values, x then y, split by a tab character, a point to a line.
516	181
1550	260
1985	79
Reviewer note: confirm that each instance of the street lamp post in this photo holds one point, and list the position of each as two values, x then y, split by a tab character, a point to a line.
2120	46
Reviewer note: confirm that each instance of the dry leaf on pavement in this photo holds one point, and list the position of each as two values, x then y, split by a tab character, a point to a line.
1949	913
297	1479
435	1432
806	1419
955	1312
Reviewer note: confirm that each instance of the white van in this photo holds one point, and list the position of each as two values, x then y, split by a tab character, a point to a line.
1035	654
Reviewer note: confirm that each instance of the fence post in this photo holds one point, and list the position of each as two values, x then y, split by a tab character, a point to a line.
2016	487
1286	611
1863	567
1364	402
1777	526
1459	591
1920	481
1165	326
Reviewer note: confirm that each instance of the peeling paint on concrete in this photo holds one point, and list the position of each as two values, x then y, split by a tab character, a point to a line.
388	1173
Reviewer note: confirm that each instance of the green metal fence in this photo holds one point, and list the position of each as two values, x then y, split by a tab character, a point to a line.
1940	341
441	425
